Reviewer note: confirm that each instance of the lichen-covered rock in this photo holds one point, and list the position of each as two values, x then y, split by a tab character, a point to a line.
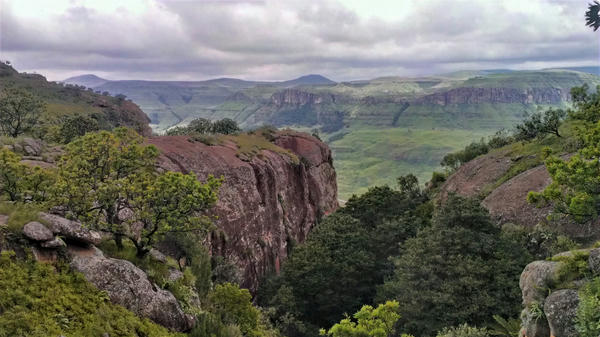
560	308
71	230
535	280
129	286
594	261
534	326
54	243
32	147
266	202
37	232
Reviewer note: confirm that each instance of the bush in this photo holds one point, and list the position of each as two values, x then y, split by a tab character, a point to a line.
587	321
463	330
38	300
540	124
77	126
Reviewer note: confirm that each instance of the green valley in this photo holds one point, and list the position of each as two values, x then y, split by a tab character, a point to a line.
378	129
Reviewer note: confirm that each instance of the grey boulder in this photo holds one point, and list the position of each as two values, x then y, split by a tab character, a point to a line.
129	286
71	230
560	309
37	232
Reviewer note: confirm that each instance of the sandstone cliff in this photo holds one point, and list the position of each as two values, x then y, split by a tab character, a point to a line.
266	203
466	95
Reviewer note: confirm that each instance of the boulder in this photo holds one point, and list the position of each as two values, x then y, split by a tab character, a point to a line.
54	243
534	326
129	286
32	147
560	308
3	219
71	230
535	280
37	232
157	255
594	261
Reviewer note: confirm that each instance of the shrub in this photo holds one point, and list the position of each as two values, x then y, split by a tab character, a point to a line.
38	300
463	330
587	321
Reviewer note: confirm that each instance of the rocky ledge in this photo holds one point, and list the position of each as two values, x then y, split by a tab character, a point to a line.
267	203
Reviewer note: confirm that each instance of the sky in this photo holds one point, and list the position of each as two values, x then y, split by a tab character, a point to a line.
284	39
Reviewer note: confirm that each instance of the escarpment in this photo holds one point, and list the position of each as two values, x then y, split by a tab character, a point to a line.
267	202
466	95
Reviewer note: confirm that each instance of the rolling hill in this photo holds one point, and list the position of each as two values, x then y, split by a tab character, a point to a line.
378	129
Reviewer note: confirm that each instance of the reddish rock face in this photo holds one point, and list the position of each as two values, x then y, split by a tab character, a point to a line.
265	204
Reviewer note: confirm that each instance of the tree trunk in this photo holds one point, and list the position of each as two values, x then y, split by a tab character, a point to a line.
119	241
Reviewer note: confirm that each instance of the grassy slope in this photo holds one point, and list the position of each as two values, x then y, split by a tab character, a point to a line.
369	156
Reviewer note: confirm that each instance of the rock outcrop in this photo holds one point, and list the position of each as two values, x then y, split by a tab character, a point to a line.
549	304
129	286
71	230
466	95
266	203
299	97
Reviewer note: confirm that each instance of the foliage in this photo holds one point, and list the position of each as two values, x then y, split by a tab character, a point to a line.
541	242
510	327
587	105
19	214
539	124
592	16
76	126
368	322
104	174
573	266
463	330
587	321
575	186
232	306
202	126
196	257
19	111
471	151
20	182
459	269
38	301
345	257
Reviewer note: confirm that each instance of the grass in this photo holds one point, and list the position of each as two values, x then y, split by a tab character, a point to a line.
40	300
369	156
250	145
19	214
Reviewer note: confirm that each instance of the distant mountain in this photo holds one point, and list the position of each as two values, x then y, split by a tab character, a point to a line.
589	70
88	80
313	79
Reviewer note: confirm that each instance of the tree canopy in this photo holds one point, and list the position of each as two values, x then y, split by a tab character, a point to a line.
19	111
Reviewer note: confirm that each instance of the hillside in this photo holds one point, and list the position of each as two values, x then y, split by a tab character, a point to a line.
378	129
63	101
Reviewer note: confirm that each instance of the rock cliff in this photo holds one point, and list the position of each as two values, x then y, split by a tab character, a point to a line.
466	95
267	203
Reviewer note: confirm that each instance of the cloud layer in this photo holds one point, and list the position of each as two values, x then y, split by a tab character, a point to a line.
281	39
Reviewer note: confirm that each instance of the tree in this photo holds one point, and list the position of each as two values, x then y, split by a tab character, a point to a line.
368	322
587	105
225	126
592	16
540	124
460	269
19	111
20	182
76	126
108	181
201	125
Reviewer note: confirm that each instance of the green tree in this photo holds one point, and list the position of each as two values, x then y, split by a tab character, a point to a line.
587	321
201	125
575	187
225	126
109	181
19	111
459	269
587	104
20	182
592	16
539	124
368	322
76	126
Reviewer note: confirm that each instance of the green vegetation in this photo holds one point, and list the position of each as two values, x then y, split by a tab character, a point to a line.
463	330
37	300
461	269
201	126
102	174
19	111
587	321
19	182
370	156
370	322
251	144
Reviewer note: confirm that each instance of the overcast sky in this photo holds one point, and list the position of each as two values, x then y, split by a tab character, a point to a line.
273	40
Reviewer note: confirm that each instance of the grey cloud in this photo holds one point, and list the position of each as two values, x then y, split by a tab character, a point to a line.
283	39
